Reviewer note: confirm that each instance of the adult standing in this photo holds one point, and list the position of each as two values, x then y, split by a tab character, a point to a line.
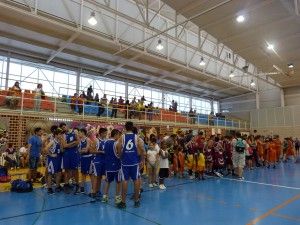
102	105
238	156
39	94
130	148
34	149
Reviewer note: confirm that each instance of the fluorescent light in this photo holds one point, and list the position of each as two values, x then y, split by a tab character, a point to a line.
270	46
92	20
252	83
291	65
231	75
240	19
159	46
202	63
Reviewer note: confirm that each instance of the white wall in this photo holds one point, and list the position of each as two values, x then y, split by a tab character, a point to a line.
269	97
239	103
292	96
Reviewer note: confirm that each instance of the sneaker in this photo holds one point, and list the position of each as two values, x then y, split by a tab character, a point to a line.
82	190
162	187
137	204
192	177
121	205
241	178
104	199
77	190
118	199
50	191
202	178
274	167
150	185
58	189
155	184
67	189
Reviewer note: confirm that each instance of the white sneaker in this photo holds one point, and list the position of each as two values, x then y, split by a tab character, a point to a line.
150	185
192	177
162	187
241	178
154	184
118	199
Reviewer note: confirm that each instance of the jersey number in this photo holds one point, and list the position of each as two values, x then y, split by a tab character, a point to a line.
129	145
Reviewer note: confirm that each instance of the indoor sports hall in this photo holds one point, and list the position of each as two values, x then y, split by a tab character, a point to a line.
163	112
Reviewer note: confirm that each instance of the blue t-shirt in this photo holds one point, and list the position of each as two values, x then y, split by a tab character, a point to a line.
112	162
100	157
36	146
55	149
130	155
70	137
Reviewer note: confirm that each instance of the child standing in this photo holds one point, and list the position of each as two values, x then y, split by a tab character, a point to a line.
152	161
54	160
180	162
112	167
164	165
85	157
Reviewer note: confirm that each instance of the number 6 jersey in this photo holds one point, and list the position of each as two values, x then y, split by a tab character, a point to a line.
130	155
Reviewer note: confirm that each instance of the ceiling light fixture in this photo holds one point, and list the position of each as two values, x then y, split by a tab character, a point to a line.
92	20
231	75
159	46
291	65
270	46
252	84
202	63
240	19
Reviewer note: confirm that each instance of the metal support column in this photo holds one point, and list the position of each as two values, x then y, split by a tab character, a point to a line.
282	103
257	100
126	91
7	72
78	74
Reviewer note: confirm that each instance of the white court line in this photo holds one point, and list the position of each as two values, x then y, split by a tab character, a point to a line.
254	182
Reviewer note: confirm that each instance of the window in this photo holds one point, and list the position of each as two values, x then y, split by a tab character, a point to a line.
58	82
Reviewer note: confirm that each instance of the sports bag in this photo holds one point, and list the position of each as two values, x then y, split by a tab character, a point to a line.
21	186
4	177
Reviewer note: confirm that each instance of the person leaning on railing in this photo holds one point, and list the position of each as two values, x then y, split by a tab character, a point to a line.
13	97
80	102
74	102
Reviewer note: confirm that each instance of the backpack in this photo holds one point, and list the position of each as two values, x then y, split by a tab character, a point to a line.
21	186
4	177
240	146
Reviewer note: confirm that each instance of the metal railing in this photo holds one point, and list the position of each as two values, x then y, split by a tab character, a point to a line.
27	103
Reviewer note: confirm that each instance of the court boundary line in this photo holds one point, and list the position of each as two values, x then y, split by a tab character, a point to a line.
265	184
287	217
271	211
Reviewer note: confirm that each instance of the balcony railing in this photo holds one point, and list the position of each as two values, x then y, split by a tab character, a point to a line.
29	104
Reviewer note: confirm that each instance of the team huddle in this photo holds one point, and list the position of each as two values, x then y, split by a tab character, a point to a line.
118	159
121	157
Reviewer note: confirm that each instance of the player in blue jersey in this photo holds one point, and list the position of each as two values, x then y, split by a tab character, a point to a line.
54	157
130	148
49	139
85	157
70	159
98	163
112	166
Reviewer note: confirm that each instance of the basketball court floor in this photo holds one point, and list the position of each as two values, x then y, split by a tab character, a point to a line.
266	196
